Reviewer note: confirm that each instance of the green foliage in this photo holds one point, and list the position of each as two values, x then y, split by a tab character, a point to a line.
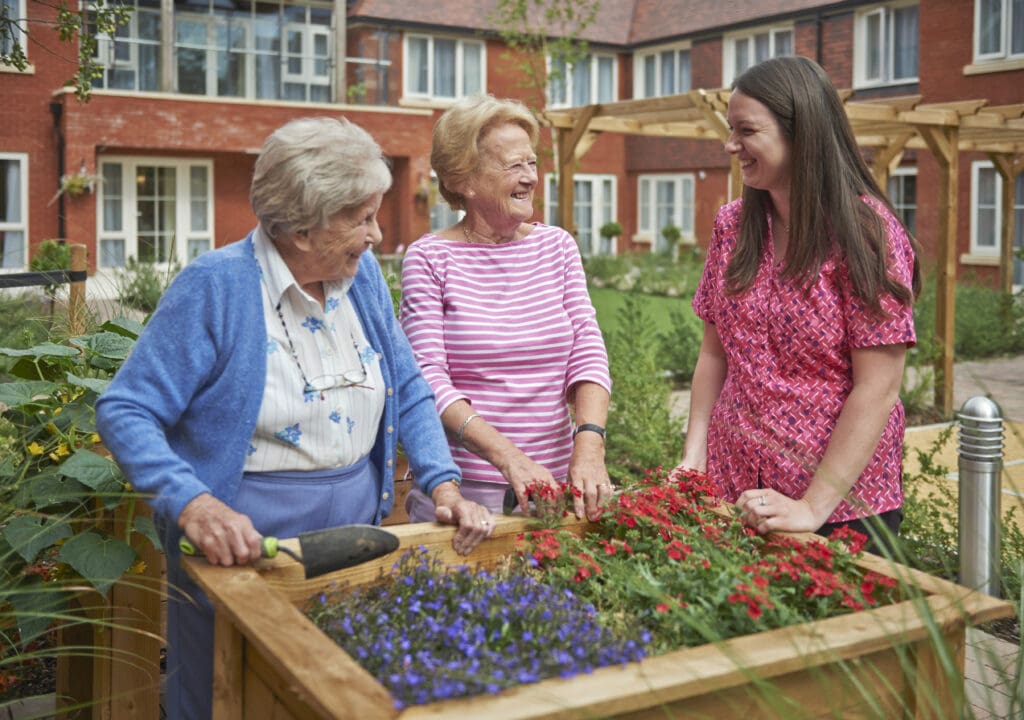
81	26
642	433
645	273
140	285
51	255
56	490
539	30
987	321
679	347
610	229
23	320
671	233
929	536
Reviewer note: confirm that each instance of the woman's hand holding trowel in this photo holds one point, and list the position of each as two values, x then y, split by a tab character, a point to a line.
224	536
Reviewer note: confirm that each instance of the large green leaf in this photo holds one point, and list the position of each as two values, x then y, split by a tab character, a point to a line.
51	488
39	351
36	606
97	385
28	534
109	345
145	526
100	560
15	394
92	470
124	326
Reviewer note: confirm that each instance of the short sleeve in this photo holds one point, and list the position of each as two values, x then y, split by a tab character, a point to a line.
723	238
867	329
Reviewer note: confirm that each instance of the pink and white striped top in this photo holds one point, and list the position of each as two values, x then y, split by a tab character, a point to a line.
510	328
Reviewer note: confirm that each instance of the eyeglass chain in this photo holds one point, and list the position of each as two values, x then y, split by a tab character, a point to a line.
307	385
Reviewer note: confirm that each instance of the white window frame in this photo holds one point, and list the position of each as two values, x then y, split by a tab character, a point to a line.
902	172
128	232
884	15
17	34
127	36
589	239
595	80
22	225
1005	32
657	55
978	248
308	75
684	199
460	68
749	37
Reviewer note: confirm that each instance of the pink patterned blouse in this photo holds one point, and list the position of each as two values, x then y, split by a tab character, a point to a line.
510	328
790	371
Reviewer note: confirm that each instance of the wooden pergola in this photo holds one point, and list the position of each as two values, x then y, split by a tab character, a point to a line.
888	126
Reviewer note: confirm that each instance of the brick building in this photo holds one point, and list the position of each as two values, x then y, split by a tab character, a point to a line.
191	87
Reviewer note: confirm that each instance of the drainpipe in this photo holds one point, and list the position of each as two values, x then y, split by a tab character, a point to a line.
57	111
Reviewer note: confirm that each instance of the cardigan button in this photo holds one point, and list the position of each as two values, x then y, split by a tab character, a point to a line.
391	428
391	391
386	495
391	463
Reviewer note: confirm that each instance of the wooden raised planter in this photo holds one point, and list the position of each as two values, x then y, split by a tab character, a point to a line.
902	660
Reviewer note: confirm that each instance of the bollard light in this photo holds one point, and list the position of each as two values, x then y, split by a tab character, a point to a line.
980	463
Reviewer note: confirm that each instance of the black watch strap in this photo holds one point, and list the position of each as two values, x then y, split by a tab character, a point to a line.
590	427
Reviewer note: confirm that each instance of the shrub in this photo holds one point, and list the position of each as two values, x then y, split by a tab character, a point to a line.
679	347
641	431
987	321
140	284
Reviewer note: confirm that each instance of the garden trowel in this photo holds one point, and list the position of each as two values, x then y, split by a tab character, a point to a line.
324	551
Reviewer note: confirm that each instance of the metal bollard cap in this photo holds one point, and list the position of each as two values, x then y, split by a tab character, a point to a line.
981	409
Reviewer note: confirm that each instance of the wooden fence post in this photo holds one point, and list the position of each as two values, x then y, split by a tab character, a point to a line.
76	292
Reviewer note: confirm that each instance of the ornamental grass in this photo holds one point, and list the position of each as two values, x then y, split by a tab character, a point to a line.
664	568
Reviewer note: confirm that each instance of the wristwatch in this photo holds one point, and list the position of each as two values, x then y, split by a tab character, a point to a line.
588	426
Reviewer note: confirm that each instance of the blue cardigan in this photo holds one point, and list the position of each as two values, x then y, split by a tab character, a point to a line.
180	413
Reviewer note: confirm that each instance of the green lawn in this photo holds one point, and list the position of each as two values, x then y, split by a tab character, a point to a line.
608	301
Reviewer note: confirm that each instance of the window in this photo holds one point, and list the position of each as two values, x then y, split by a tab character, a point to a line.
999	29
274	51
441	214
987	214
746	50
443	68
662	72
13	210
593	79
14	11
155	210
902	191
885	46
131	58
594	206
666	200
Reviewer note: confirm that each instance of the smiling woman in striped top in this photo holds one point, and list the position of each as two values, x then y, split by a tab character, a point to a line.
497	312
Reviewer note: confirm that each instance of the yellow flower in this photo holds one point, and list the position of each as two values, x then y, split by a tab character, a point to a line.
94	438
138	568
62	450
35	448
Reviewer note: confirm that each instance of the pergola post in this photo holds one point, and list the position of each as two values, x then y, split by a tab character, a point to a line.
572	144
1009	167
943	142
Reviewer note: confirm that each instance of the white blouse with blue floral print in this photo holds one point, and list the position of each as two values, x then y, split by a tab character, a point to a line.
336	424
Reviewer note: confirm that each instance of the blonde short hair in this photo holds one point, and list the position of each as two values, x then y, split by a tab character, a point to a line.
311	169
455	154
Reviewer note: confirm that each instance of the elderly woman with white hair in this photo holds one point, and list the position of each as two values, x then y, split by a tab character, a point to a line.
269	390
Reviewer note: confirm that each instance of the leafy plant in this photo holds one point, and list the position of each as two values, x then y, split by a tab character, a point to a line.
641	430
679	347
140	285
610	229
91	19
51	255
57	485
671	233
663	559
